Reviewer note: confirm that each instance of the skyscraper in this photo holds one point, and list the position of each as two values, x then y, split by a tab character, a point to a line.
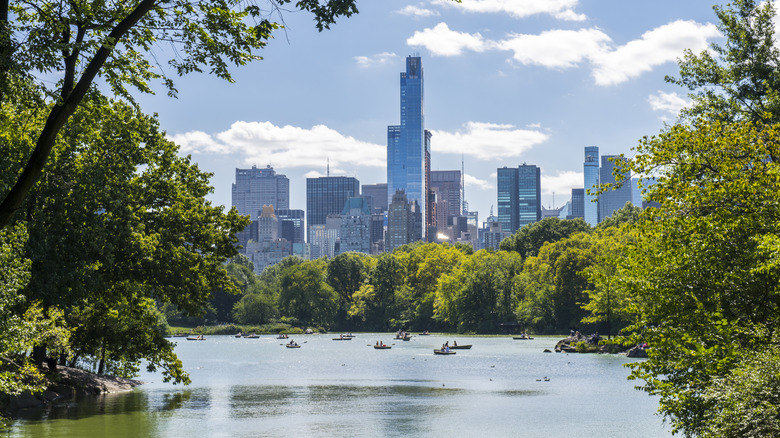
577	204
355	233
519	196
591	183
376	195
447	185
326	196
291	223
408	142
402	221
616	197
257	187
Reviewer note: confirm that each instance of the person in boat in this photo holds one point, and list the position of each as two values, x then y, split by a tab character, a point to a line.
446	348
454	343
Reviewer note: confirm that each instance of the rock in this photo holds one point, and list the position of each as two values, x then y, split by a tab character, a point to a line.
636	352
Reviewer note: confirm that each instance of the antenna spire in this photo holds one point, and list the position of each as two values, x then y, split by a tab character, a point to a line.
327	171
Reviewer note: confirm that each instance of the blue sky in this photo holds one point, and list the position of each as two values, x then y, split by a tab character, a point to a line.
506	82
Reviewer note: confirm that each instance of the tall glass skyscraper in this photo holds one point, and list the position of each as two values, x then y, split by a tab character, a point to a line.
519	196
406	143
591	170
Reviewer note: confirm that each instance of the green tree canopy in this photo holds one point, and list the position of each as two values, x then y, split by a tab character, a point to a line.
529	239
118	41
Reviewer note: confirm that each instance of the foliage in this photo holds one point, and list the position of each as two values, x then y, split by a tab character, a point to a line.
305	295
746	399
23	329
119	41
479	294
703	272
628	214
739	80
121	222
551	290
529	239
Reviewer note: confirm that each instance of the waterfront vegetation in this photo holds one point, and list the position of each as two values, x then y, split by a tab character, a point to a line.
116	241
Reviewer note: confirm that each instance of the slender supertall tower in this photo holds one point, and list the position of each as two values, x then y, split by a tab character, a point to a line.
591	171
407	142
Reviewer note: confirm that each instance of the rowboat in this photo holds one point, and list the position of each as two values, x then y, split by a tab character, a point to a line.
460	347
382	347
196	338
282	337
292	346
252	336
443	352
522	338
342	338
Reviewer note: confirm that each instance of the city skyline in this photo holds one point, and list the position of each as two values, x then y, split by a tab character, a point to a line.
504	87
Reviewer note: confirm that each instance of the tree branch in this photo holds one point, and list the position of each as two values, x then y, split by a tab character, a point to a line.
62	111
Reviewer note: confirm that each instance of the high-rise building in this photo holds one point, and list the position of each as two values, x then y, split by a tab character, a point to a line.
268	249
401	221
292	225
447	185
326	196
577	204
519	196
408	142
376	195
618	195
591	171
355	234
257	187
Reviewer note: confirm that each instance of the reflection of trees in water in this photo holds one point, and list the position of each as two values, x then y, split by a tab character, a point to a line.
174	401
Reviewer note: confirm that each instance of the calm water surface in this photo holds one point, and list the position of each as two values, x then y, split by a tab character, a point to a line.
257	387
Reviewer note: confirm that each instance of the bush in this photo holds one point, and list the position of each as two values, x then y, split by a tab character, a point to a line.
585	347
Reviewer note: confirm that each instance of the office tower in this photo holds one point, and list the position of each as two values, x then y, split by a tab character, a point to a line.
291	224
577	204
519	196
326	196
636	192
507	205
257	187
400	221
376	195
447	185
355	234
268	249
408	142
378	233
616	197
591	171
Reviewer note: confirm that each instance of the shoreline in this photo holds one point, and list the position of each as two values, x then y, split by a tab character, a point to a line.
70	383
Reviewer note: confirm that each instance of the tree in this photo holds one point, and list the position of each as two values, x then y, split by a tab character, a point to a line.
628	214
26	328
117	41
529	239
703	272
120	221
741	79
306	296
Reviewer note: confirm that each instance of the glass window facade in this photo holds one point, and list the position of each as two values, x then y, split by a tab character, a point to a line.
591	171
406	142
327	196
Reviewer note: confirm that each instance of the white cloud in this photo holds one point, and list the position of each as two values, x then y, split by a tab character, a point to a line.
562	183
375	60
670	103
486	141
285	146
441	41
658	46
473	181
560	9
561	49
415	11
557	48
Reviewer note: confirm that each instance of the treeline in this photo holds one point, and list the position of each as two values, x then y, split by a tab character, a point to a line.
538	280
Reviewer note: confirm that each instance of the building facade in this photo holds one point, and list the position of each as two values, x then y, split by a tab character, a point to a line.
449	192
591	183
355	234
376	195
326	196
577	204
617	196
257	187
401	218
408	143
291	224
519	196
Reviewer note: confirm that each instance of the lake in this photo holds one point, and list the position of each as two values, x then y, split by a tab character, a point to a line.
258	388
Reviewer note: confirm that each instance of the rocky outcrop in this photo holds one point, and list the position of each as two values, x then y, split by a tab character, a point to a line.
68	383
637	352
